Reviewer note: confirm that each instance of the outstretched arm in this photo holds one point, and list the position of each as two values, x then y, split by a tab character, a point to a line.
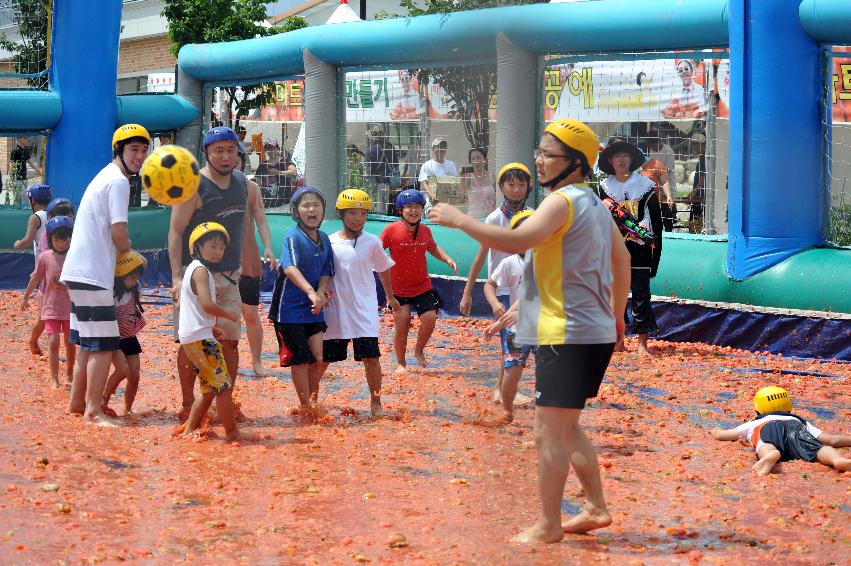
729	434
33	225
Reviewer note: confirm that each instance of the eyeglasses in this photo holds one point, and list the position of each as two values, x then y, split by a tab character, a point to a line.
544	155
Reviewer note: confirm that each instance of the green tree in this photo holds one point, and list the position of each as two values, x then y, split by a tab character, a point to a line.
29	56
470	87
212	21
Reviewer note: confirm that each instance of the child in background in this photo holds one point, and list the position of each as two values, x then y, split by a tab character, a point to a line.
39	197
352	314
508	275
129	268
57	207
304	273
55	302
198	334
515	183
408	241
777	435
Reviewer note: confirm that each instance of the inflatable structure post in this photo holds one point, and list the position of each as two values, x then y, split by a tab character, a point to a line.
83	71
517	77
776	178
192	90
323	111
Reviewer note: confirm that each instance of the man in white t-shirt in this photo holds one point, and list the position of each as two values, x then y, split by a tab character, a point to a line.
100	234
437	167
352	314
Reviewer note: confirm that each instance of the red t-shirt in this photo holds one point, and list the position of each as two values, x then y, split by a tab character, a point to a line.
410	274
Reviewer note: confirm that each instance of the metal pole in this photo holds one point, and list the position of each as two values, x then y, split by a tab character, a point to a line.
363	9
710	152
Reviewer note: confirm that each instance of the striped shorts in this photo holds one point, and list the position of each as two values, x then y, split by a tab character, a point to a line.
94	326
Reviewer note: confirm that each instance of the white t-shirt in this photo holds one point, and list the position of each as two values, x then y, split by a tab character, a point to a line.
432	167
40	233
91	258
195	324
508	275
746	430
497	218
633	189
353	311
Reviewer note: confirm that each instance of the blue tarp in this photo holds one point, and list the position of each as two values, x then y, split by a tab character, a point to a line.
798	336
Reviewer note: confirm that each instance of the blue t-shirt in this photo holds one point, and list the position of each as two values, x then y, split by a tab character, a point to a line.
314	260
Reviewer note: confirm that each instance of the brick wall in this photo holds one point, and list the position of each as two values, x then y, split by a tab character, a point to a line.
148	54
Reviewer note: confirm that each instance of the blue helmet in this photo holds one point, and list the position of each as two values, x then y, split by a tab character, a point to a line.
58	222
220	133
60	201
40	193
409	196
299	194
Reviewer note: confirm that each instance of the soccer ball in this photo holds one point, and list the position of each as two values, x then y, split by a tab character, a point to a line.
170	175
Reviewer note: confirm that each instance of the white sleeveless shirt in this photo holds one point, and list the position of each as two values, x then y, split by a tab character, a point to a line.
195	324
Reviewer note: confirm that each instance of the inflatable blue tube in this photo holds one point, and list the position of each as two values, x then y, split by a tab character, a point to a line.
28	110
828	21
83	73
604	25
157	112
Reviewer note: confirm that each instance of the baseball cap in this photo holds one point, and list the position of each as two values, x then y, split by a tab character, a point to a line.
439	140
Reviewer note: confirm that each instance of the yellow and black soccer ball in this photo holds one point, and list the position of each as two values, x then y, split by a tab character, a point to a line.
170	175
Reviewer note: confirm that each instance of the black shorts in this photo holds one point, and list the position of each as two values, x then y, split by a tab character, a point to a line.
792	440
428	301
130	346
249	290
337	350
568	374
295	336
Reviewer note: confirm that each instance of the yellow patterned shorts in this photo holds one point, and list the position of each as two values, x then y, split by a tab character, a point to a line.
210	365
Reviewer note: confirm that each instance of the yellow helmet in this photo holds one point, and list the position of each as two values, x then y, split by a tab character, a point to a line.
354	199
127	262
206	228
128	131
519	217
577	135
770	399
508	167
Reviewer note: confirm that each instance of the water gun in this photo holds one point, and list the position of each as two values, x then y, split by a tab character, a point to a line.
628	224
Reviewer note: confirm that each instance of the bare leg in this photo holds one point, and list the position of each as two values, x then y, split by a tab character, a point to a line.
315	370
132	385
509	390
402	323
119	361
583	458
230	349
829	456
254	331
53	359
372	369
642	346
497	390
301	384
97	370
70	358
427	323
227	414
768	457
199	408
186	374
77	402
553	467
35	334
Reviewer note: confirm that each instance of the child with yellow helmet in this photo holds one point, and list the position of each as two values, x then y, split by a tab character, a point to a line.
515	183
575	278
508	275
778	435
352	314
199	337
129	268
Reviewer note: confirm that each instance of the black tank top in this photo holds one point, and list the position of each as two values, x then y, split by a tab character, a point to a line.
227	207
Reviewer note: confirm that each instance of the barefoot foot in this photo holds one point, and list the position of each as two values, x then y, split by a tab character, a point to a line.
401	369
587	520
377	409
421	359
521	399
35	349
764	466
101	420
538	533
259	370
